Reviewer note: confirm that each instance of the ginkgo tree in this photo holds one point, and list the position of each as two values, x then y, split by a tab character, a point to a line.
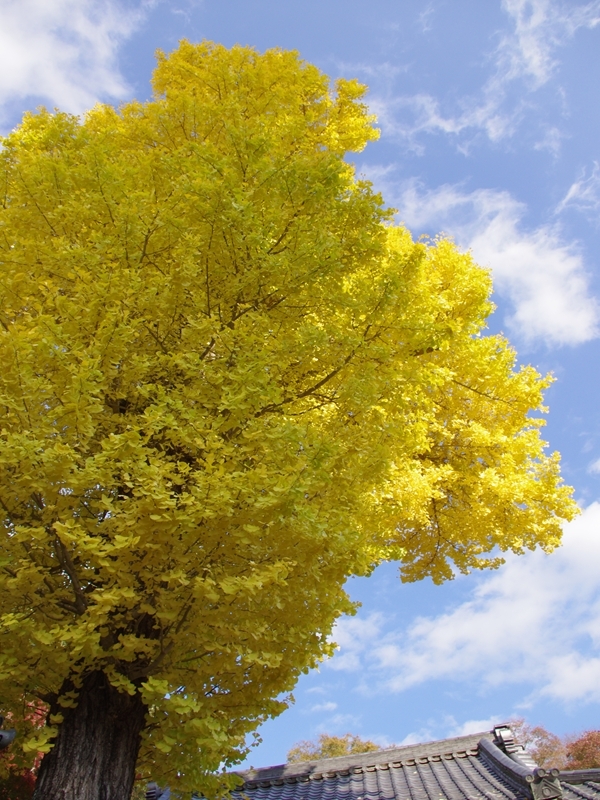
228	381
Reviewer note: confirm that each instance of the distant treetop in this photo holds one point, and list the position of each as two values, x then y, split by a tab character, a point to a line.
328	746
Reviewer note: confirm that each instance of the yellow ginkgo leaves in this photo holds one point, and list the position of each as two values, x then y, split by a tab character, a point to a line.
227	383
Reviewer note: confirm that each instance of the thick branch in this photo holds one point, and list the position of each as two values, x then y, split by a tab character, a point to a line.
311	390
66	563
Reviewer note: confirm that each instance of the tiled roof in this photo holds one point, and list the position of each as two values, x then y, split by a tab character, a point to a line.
484	765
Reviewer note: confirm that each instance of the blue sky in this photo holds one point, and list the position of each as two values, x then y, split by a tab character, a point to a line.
490	126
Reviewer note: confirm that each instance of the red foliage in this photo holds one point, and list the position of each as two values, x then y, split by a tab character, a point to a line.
17	785
17	781
546	749
584	752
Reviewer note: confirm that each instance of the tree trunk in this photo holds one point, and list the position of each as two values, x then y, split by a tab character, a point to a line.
95	752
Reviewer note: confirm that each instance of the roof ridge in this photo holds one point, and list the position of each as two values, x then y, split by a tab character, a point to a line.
388	755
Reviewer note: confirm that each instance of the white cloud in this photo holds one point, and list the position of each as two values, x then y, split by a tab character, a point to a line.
526	54
573	677
540	26
523	62
551	140
424	18
595	467
447	727
542	276
584	193
405	117
527	51
329	706
381	739
535	622
474	726
340	723
64	51
354	635
417	737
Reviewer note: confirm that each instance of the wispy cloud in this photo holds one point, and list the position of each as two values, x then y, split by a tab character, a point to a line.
424	734
474	726
541	275
447	727
64	52
524	60
340	723
594	467
354	635
551	139
584	193
535	622
540	27
320	707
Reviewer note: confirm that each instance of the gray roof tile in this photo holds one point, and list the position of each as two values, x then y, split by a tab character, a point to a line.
483	766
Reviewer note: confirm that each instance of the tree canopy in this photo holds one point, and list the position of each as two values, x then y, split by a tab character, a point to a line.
328	746
573	751
546	748
583	751
228	381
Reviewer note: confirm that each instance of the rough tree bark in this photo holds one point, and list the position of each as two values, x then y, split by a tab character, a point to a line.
95	752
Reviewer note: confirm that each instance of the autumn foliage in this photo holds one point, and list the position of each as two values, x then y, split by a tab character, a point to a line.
546	748
583	751
573	751
228	381
17	769
17	785
328	746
